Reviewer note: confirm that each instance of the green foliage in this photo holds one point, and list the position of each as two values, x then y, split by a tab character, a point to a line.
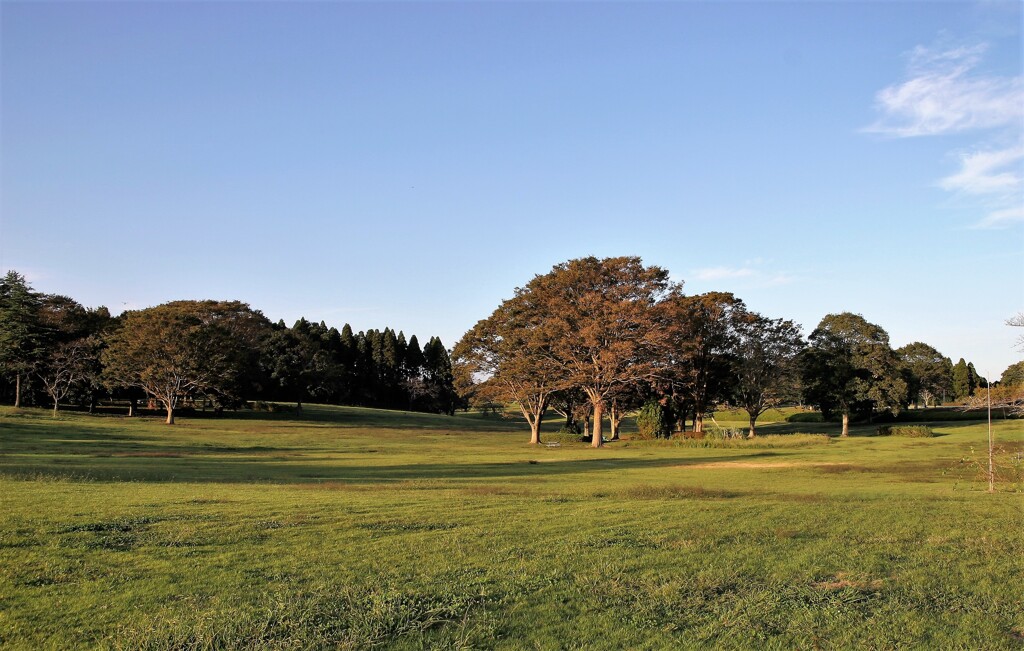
849	368
1013	375
911	431
653	421
564	436
929	374
964	380
21	332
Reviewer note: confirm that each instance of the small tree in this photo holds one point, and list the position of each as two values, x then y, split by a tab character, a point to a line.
68	365
702	341
497	355
653	421
765	364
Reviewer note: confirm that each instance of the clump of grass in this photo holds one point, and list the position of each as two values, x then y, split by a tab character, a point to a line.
324	618
912	431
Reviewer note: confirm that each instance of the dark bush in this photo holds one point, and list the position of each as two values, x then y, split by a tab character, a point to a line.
913	431
652	422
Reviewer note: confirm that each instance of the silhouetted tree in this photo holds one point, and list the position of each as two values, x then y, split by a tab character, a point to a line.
703	333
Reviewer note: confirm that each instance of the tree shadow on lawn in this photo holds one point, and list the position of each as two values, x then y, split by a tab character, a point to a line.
862	430
39	437
248	469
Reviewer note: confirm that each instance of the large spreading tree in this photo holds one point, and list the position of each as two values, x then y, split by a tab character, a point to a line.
599	327
850	368
183	349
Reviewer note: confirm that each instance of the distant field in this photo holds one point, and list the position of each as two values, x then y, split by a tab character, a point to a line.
357	528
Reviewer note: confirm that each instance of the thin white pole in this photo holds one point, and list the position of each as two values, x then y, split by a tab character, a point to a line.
991	474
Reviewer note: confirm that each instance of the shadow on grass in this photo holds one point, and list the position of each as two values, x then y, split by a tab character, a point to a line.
857	430
172	468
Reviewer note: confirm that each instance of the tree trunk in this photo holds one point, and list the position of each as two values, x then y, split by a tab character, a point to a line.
170	414
753	430
613	420
596	437
131	407
56	407
846	425
535	431
17	390
698	422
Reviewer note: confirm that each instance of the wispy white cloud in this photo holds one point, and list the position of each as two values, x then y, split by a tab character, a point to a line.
751	274
718	273
988	172
945	94
1002	218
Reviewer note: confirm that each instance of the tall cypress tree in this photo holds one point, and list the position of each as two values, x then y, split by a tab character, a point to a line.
438	377
21	341
962	388
414	358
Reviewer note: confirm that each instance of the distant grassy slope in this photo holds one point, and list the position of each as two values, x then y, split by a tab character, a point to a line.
355	528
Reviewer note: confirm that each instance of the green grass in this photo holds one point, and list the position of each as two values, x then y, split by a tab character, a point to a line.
357	528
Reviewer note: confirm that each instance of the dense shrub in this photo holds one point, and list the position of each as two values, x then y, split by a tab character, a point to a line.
913	431
652	422
564	435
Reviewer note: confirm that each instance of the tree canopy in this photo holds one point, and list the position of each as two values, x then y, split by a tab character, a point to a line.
849	368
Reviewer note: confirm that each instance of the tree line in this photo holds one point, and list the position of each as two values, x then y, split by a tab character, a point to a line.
596	337
593	339
221	353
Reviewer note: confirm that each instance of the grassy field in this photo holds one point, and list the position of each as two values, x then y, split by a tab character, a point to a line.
355	528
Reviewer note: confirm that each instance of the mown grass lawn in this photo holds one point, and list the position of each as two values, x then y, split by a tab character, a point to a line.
356	528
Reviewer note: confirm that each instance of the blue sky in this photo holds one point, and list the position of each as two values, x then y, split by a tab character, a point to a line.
408	165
